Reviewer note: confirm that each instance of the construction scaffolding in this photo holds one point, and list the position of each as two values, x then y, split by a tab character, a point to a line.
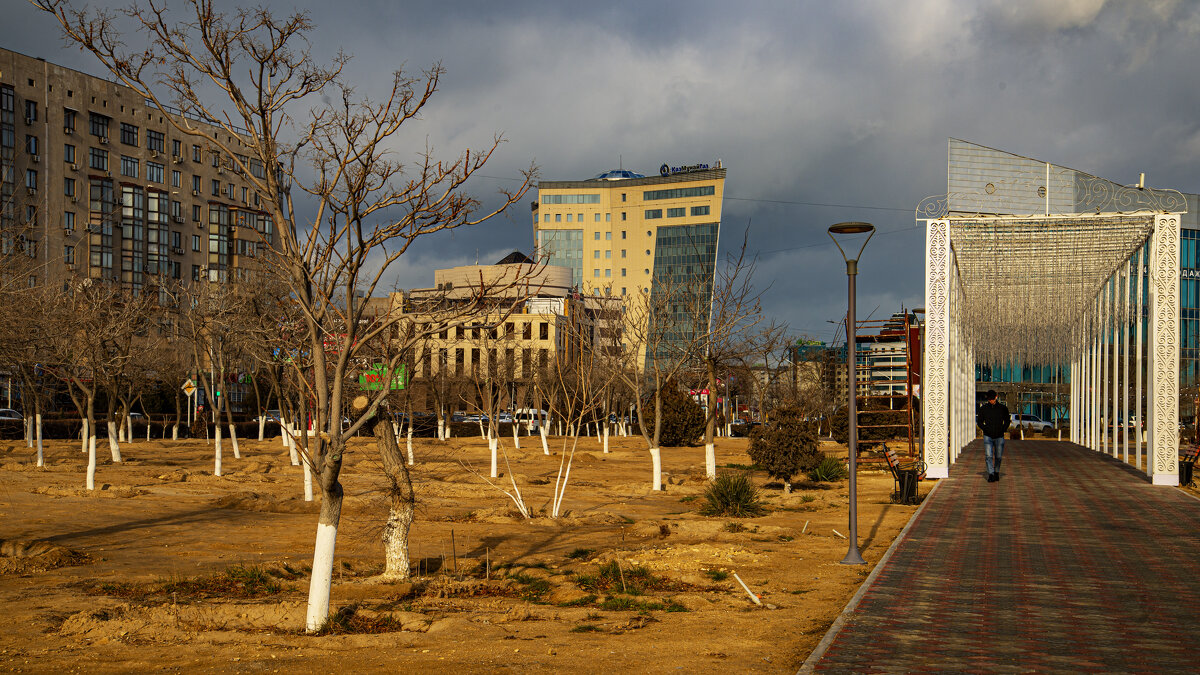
887	370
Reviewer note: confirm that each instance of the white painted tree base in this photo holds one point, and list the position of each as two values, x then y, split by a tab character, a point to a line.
656	460
322	577
710	460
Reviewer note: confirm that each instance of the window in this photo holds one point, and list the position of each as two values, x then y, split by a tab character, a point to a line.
679	193
129	134
196	212
176	178
30	111
699	210
68	119
608	236
245	194
69	255
69	187
173	267
216	190
579	217
646	271
98	124
256	169
177	210
622	215
676	213
216	159
608	217
176	240
623	292
176	148
569	217
156	141
608	273
68	220
195	242
595	272
195	153
622	196
597	218
31	179
596	236
69	153
647	251
558	217
622	234
596	254
98	159
544	331
154	172
129	166
31	145
195	273
652	214
196	184
608	255
622	253
571	199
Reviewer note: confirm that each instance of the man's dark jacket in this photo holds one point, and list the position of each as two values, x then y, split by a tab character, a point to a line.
993	418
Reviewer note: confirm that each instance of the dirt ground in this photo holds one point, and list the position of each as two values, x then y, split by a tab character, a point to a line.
170	568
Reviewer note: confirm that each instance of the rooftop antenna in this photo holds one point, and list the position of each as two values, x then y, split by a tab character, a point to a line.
620	161
1142	180
476	256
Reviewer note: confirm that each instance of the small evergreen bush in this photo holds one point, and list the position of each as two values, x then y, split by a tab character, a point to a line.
785	445
732	494
828	470
683	418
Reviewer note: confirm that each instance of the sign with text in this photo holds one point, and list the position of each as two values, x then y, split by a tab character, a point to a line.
374	378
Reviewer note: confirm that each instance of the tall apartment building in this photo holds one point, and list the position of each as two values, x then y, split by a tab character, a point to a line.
623	233
95	182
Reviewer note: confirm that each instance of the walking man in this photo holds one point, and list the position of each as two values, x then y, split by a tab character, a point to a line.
994	419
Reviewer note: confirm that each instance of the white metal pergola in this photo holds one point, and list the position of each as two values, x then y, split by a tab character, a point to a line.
1097	293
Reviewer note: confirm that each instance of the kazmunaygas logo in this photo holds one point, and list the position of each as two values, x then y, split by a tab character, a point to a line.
667	169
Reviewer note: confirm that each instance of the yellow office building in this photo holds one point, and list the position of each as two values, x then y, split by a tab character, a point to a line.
621	233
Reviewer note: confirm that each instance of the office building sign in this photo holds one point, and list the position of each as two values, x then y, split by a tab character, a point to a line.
668	170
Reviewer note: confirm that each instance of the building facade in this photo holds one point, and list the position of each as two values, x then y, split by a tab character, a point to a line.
96	183
627	235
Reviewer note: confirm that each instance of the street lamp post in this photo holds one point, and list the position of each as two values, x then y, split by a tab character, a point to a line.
853	557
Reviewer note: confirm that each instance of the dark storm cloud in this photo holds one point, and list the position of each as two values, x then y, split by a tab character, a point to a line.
846	104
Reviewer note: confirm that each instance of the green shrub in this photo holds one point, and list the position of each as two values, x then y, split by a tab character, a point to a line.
732	494
786	445
683	418
828	470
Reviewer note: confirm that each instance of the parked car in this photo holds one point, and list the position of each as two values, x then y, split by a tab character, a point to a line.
1030	422
504	417
10	414
273	416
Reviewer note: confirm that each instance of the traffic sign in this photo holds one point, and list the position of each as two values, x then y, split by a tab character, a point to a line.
189	387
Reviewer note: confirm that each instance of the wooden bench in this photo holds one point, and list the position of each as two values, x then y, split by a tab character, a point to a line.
907	474
1187	463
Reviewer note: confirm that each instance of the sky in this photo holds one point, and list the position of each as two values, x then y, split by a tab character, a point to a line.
821	112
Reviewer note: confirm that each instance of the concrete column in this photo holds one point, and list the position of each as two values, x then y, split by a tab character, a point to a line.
1164	351
936	402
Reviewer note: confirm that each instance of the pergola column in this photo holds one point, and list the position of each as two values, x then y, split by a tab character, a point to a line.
935	401
1163	405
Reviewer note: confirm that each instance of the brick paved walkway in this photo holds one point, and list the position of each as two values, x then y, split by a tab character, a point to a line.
1073	562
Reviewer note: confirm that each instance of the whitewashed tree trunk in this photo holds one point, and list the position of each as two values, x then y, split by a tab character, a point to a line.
290	441
91	470
237	453
29	432
83	437
41	459
120	435
284	427
656	460
148	431
516	441
129	425
113	446
493	445
606	439
322	569
408	440
710	461
308	487
217	451
481	432
175	431
441	429
262	426
395	542
545	445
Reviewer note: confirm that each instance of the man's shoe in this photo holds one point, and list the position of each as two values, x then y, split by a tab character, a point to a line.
991	478
997	477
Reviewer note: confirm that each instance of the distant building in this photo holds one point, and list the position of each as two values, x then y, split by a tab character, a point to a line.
622	233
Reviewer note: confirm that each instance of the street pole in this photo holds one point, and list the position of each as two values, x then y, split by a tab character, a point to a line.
853	556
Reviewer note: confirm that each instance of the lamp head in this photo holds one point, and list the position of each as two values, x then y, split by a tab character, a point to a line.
848	230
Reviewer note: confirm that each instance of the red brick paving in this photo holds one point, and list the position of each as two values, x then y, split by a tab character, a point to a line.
1073	562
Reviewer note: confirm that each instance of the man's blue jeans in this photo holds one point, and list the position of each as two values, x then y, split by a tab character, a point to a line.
993	448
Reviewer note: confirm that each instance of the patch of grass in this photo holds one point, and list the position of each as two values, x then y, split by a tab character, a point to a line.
732	494
348	620
623	603
534	589
741	467
786	537
579	602
733	527
806	499
239	582
801	591
632	580
689	498
828	470
581	553
587	628
628	520
716	575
